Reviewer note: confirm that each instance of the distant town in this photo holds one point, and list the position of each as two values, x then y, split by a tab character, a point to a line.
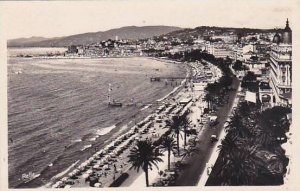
268	54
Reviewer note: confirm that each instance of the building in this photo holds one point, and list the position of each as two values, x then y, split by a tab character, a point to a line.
219	50
72	49
226	38
281	67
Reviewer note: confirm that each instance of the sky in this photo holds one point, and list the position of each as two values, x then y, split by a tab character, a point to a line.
61	18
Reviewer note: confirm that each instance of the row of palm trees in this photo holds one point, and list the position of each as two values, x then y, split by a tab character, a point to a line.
250	136
147	153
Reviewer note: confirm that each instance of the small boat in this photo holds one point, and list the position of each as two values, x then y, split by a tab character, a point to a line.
115	104
112	103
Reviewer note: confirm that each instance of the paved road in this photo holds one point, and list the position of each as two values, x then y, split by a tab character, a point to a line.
194	166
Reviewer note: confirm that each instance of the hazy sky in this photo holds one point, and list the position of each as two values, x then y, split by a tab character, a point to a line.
51	19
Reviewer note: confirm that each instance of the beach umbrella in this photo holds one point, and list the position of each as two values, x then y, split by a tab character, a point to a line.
54	185
106	167
71	174
85	176
89	161
98	185
98	162
83	165
64	179
76	171
89	171
96	166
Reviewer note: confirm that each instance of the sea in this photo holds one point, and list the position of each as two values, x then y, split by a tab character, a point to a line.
58	114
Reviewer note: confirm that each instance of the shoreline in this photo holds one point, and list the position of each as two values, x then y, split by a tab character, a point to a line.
142	119
74	57
120	129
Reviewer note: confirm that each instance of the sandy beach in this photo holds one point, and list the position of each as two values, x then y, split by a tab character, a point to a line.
110	163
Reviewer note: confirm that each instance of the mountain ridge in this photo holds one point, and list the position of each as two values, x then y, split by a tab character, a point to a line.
128	32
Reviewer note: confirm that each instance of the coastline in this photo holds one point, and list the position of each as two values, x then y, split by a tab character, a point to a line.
132	126
119	130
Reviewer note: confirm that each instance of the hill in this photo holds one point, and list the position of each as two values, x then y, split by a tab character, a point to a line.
188	33
129	32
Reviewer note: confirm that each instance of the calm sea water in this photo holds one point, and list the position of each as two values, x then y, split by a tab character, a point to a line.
58	113
35	51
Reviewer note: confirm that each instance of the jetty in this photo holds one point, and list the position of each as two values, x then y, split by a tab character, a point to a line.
157	79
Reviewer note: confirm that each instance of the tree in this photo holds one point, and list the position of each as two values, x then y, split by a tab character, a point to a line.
188	152
227	146
168	144
212	92
274	122
226	81
185	123
249	81
144	155
175	127
236	126
250	77
238	65
239	168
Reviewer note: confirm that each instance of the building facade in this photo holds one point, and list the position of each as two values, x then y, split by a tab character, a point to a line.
281	67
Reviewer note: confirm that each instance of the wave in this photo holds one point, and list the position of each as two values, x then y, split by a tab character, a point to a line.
146	107
68	98
86	147
94	138
173	91
77	140
65	171
105	130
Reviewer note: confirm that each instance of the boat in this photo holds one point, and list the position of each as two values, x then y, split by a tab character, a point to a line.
112	103
115	104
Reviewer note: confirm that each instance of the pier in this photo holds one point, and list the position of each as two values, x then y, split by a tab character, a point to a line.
157	79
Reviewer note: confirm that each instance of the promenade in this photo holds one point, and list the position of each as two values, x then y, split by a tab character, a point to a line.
196	165
108	164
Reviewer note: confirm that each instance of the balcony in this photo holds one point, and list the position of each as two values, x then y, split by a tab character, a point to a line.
284	86
281	57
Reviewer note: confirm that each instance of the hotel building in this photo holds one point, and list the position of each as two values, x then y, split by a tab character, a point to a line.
281	67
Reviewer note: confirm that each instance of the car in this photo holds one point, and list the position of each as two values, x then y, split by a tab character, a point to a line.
213	138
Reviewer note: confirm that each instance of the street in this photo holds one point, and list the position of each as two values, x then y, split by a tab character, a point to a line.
195	165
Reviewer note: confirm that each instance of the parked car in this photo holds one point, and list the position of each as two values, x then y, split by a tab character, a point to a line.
213	120
213	138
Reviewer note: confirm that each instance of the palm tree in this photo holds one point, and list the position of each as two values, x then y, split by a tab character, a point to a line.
239	168
168	144
208	98
189	152
237	126
144	155
265	137
185	122
228	145
175	126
